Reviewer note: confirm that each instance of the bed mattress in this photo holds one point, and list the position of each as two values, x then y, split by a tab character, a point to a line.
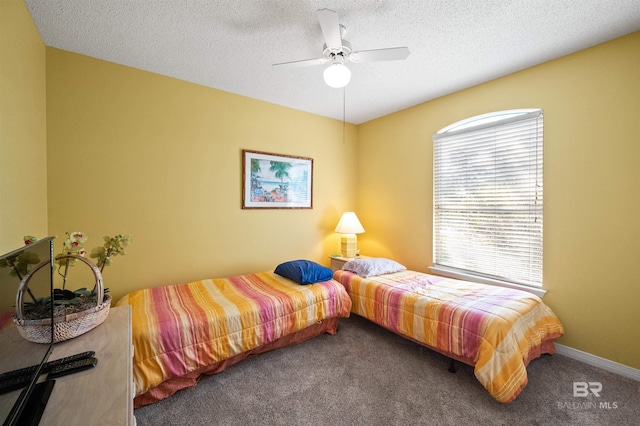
496	330
181	329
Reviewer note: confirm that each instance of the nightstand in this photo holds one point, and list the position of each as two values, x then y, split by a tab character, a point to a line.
338	261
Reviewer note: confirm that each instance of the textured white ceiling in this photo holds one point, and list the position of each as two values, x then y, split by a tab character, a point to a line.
231	44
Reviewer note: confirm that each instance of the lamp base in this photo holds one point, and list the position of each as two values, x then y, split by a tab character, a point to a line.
348	245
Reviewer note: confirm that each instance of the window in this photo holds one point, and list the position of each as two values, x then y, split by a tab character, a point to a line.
488	198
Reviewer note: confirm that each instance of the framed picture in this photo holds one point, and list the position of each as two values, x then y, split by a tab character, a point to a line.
276	181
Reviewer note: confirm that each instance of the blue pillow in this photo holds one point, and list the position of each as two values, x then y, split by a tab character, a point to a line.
304	271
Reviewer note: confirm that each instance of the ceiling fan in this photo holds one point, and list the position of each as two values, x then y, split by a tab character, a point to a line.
337	51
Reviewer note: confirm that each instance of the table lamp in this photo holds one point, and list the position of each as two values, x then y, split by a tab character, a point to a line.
349	226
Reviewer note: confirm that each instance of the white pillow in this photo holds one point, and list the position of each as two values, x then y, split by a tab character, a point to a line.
371	266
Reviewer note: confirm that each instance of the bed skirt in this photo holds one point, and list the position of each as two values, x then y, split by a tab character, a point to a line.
546	346
171	386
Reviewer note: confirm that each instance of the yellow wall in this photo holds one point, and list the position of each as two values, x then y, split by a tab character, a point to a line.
130	151
159	158
591	103
23	156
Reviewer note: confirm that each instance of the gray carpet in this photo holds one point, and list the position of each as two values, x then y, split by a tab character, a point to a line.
365	375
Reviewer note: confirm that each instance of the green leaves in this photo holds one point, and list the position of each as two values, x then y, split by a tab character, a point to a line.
20	264
73	245
63	297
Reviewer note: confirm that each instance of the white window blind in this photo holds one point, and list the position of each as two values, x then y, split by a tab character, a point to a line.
488	196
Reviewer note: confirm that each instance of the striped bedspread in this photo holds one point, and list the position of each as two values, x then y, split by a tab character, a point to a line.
181	328
497	330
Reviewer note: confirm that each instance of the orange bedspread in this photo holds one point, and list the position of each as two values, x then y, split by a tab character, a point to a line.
182	328
497	330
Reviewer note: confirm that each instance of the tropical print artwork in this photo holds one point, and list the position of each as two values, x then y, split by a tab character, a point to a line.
277	181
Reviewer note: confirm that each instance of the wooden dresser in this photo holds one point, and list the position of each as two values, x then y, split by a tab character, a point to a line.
104	394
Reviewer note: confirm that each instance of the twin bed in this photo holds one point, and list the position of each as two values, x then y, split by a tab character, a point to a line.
496	330
183	331
180	332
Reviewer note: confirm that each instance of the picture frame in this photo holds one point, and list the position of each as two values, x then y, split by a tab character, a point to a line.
276	181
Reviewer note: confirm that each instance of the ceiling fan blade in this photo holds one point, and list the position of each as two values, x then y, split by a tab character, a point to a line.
391	54
303	63
330	28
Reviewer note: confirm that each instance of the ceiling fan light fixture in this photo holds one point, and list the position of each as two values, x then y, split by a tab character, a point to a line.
337	75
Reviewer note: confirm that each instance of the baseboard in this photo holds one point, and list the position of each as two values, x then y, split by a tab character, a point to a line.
599	362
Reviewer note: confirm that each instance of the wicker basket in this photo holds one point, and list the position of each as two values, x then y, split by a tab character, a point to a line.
65	327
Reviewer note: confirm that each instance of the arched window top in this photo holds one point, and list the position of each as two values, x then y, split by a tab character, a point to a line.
488	198
488	120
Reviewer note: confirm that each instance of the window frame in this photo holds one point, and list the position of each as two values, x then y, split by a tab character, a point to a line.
475	124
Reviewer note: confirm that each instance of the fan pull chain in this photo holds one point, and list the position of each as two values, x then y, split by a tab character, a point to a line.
344	114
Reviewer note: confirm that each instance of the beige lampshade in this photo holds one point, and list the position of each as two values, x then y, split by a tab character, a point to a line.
349	226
